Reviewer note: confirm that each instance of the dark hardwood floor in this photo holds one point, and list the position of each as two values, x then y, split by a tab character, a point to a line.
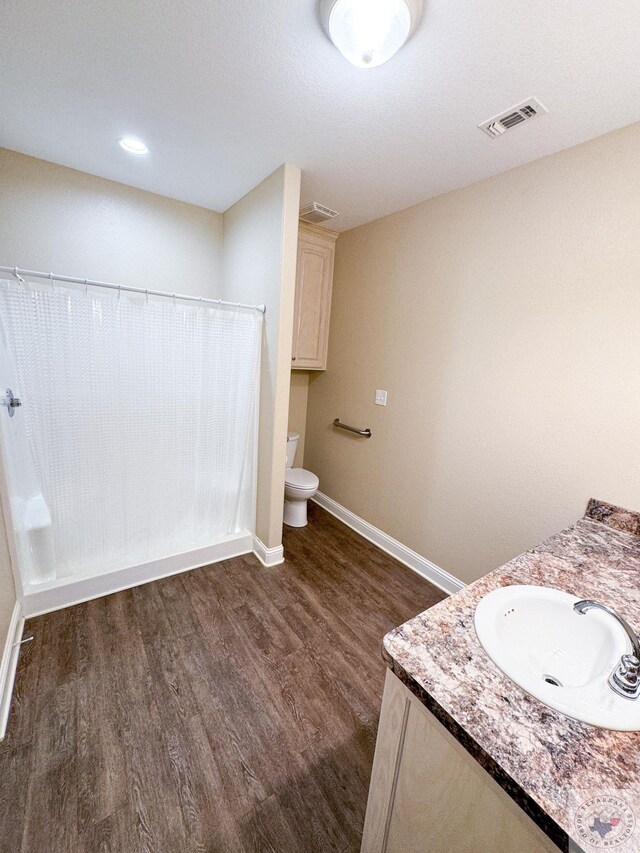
231	708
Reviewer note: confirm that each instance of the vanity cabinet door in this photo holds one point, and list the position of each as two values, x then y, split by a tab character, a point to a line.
314	279
428	795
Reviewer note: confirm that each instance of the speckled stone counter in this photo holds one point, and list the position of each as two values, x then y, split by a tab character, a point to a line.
550	764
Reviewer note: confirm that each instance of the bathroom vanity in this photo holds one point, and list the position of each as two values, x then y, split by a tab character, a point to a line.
466	760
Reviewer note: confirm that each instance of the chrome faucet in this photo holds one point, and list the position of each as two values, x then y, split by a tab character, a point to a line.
625	678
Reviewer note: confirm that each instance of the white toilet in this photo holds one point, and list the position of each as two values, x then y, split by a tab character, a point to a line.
299	486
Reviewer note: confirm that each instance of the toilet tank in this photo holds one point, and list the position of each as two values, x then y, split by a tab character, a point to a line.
292	446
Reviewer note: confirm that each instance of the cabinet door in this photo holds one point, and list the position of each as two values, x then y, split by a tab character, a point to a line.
428	795
314	277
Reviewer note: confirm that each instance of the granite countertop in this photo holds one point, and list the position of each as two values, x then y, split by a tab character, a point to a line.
550	764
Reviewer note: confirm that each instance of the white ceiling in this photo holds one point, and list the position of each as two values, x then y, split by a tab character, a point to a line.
224	91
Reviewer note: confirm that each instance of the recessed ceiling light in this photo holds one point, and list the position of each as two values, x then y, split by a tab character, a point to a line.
370	32
132	145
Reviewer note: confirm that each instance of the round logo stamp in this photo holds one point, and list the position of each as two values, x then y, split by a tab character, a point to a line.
605	821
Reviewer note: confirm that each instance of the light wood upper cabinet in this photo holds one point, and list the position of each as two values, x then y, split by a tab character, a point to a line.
314	279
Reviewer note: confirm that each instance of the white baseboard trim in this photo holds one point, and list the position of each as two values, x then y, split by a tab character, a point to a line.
9	663
269	557
43	598
434	574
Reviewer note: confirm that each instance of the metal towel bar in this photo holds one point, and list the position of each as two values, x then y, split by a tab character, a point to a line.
365	432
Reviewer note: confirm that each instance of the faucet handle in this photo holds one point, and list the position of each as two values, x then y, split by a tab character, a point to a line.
625	679
631	666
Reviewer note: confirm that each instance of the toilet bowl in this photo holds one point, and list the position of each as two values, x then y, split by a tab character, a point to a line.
299	486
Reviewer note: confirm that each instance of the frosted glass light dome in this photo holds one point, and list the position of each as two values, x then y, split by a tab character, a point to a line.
369	32
133	145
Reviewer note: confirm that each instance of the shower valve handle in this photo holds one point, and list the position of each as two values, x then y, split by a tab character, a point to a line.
10	402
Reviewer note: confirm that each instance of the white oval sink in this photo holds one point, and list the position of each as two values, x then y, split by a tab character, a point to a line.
563	658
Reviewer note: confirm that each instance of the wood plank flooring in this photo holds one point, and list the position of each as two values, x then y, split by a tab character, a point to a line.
231	708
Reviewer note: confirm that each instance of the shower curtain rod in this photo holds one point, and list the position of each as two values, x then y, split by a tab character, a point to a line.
18	272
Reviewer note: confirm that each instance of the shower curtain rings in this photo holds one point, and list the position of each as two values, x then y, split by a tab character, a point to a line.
53	284
17	275
86	287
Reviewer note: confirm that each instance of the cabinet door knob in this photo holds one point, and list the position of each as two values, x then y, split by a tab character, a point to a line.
293	358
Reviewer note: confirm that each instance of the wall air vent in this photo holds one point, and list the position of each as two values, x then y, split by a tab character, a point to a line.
315	213
498	125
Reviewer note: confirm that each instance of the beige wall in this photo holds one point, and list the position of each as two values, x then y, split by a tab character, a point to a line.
503	321
57	219
298	410
260	244
54	218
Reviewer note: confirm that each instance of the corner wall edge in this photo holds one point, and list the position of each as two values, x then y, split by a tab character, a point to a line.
269	557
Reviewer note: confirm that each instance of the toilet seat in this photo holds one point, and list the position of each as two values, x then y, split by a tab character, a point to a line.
301	479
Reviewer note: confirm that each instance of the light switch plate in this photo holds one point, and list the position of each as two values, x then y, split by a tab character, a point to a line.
381	398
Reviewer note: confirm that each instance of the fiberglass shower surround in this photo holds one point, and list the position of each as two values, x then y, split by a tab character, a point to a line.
135	437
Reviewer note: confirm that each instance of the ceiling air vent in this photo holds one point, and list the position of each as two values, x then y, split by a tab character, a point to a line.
498	125
315	213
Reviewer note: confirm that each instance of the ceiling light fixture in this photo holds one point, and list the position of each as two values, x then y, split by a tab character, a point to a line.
132	145
370	32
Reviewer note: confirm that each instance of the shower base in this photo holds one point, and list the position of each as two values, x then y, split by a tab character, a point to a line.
53	595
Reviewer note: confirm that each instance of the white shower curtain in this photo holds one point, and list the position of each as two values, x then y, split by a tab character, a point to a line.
140	415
